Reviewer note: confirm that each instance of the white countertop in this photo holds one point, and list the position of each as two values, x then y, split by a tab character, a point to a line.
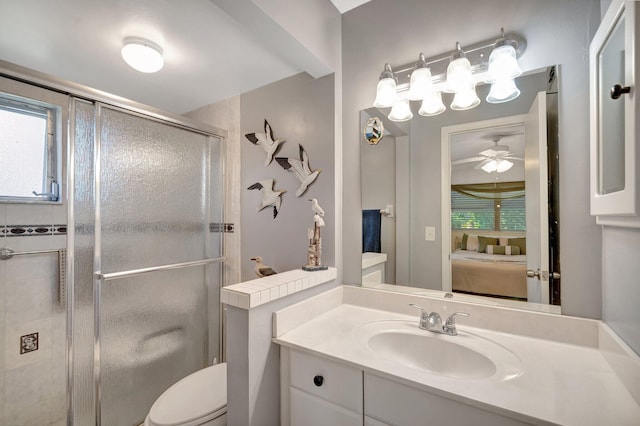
561	383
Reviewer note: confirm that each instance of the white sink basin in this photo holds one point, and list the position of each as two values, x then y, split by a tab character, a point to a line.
465	356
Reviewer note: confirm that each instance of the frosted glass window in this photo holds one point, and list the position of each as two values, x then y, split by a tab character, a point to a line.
27	150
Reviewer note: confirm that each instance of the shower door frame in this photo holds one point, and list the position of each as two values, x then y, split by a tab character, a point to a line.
75	90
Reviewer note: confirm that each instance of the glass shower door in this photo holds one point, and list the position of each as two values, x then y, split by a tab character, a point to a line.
154	264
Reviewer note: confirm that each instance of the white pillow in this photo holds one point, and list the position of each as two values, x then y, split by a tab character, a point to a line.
472	242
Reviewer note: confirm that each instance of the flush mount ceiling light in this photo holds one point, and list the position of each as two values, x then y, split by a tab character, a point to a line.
142	55
492	61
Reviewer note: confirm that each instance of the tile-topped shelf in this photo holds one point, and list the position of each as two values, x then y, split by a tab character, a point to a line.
249	294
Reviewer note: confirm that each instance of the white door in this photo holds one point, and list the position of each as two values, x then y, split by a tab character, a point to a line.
535	172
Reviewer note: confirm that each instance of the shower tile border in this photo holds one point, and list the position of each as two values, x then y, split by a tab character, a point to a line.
222	227
11	231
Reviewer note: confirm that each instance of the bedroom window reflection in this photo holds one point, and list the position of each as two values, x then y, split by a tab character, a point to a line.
488	206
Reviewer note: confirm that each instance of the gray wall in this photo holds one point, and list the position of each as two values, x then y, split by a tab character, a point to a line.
301	111
557	32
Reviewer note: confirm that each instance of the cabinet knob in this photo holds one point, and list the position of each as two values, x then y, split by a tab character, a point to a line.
618	90
318	380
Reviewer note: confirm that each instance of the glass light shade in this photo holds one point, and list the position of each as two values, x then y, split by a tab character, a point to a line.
465	99
503	166
491	166
459	76
503	91
421	84
401	111
503	64
386	95
432	104
142	55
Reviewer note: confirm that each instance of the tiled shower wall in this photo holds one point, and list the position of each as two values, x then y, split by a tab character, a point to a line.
33	385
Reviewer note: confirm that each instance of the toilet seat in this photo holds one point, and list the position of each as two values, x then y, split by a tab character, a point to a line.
199	397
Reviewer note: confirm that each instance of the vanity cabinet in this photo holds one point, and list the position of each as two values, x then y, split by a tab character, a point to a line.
318	391
323	392
615	117
393	403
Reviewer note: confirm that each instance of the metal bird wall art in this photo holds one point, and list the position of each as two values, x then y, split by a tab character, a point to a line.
266	141
269	196
300	169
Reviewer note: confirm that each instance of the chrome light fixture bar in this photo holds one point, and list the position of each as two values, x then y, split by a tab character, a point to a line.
491	61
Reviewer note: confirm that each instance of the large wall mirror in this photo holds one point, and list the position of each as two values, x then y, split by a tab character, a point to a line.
473	197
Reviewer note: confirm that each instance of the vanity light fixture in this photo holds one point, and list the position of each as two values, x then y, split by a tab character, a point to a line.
142	55
492	61
386	94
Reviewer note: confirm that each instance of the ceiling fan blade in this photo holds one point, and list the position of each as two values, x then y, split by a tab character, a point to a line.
508	157
488	153
467	160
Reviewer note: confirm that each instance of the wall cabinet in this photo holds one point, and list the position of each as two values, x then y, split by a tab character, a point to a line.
318	391
615	112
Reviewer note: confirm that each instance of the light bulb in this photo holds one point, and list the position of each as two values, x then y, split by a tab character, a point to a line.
459	76
432	104
503	91
386	94
503	166
490	167
465	99
401	111
503	63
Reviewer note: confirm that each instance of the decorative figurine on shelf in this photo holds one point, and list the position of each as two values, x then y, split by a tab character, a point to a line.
261	269
314	252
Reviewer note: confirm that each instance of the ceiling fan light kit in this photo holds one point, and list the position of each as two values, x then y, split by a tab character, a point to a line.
492	61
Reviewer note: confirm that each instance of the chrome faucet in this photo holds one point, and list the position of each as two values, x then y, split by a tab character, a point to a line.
433	322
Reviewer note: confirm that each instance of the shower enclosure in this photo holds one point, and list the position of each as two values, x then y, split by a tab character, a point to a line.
135	306
145	257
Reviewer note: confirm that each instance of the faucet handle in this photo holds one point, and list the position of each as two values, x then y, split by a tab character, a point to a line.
450	325
424	316
452	318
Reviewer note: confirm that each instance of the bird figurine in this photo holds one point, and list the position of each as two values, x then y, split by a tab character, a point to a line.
301	170
261	269
316	207
266	141
269	196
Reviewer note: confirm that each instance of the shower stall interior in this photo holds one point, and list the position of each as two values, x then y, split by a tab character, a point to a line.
145	193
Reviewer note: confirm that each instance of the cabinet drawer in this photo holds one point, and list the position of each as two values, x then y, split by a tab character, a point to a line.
328	380
307	410
402	405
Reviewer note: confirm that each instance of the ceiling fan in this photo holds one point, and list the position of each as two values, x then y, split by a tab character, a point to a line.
494	159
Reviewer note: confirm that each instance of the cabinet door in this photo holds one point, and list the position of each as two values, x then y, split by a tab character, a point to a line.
307	410
401	405
335	382
615	157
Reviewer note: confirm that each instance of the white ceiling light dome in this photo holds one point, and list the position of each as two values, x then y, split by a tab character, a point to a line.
142	55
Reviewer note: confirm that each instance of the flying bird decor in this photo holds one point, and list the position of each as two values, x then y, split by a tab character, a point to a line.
314	252
269	196
301	169
266	141
261	269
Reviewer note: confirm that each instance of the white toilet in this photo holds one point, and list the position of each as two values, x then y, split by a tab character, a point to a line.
197	400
